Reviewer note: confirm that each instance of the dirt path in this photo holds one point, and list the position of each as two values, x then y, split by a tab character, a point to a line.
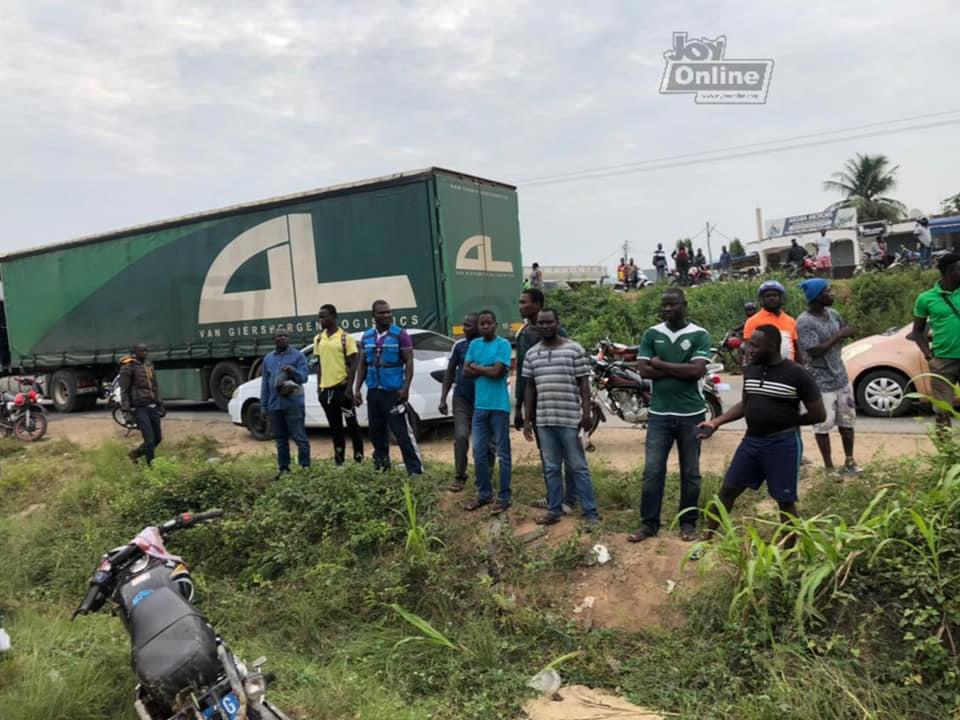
616	448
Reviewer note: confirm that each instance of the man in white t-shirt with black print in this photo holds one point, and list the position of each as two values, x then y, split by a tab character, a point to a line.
924	240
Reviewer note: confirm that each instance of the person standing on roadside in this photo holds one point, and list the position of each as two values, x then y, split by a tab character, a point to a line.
725	263
821	332
463	400
140	401
488	362
386	365
772	296
632	275
773	388
660	263
530	304
924	240
536	276
337	357
824	258
674	355
557	395
938	310
281	395
622	273
682	261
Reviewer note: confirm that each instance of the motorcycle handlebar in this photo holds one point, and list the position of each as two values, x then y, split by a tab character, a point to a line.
89	599
188	520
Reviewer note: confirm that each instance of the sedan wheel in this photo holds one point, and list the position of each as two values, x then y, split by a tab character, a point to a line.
882	394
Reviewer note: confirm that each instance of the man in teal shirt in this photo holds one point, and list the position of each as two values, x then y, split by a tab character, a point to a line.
940	307
488	362
674	355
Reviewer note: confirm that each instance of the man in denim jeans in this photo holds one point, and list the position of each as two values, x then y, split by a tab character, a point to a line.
674	356
488	362
281	395
557	394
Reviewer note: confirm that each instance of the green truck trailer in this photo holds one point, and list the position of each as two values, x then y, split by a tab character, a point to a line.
206	292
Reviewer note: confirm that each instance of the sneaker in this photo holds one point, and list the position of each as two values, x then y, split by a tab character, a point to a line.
542	504
850	467
591	523
549	519
499	507
358	456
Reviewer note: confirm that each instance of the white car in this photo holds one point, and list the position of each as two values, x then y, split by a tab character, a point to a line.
430	353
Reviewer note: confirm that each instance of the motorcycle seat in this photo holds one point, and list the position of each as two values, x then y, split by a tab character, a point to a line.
173	645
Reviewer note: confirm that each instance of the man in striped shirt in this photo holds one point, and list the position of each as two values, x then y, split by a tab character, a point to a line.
773	388
557	394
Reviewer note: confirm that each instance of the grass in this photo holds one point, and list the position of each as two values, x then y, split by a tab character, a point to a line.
371	602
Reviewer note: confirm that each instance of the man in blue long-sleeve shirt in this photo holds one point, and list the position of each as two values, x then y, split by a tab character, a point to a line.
281	395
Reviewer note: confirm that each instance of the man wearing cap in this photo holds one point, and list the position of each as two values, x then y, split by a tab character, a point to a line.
772	297
821	332
940	307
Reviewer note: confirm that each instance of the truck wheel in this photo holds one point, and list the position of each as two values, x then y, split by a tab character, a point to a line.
256	422
226	377
63	391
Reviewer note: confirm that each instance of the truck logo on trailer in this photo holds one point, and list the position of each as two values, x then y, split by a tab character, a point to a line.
482	260
294	290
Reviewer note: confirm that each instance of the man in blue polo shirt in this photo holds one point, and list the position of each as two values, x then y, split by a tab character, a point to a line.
281	395
940	307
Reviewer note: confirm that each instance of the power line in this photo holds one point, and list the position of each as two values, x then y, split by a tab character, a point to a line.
598	173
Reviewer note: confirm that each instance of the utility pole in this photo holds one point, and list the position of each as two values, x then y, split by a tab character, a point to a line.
626	250
709	250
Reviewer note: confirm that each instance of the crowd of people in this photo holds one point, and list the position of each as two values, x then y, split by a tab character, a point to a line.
794	376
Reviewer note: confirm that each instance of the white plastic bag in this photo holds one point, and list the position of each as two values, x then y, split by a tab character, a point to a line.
4	641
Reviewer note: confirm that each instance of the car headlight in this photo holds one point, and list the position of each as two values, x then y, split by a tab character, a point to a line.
849	353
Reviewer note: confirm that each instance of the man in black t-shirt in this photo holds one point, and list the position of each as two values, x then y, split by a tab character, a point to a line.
773	388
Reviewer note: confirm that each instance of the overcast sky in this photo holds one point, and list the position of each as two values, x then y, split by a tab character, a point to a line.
120	113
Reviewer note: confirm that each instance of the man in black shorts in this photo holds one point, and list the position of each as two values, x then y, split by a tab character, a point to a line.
773	388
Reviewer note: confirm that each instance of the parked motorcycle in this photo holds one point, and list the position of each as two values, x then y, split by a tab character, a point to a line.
806	268
905	259
114	403
872	262
21	413
185	670
618	388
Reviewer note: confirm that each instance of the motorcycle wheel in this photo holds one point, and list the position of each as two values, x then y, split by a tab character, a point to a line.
714	408
30	431
121	421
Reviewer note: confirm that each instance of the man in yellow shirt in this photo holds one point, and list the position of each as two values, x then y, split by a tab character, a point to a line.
336	354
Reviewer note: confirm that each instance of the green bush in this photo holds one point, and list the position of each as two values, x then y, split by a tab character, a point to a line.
871	303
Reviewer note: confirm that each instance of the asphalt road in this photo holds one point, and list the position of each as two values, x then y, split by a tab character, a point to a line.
907	425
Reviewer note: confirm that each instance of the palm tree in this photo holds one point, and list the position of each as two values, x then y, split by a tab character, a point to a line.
864	181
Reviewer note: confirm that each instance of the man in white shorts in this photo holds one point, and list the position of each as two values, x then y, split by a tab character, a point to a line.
821	332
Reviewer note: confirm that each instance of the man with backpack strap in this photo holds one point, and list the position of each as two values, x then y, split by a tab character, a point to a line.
386	365
336	355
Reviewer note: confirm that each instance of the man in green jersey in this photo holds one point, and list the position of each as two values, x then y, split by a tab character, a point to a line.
674	355
940	308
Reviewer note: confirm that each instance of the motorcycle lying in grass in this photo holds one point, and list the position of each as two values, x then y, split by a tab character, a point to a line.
618	388
21	413
185	670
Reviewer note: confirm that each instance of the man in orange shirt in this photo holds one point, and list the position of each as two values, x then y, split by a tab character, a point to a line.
772	294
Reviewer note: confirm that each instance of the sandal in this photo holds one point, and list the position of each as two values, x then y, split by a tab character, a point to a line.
456	486
640	535
688	534
499	507
476	504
